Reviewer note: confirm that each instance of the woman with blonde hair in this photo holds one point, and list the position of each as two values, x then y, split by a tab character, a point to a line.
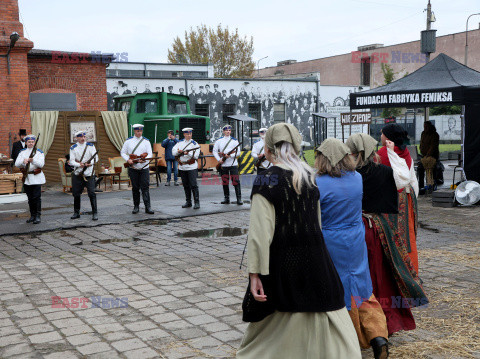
340	188
294	301
391	269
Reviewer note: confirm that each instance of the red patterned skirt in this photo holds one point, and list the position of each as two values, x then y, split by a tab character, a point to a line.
385	288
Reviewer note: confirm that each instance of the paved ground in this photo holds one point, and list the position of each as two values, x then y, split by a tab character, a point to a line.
181	292
115	206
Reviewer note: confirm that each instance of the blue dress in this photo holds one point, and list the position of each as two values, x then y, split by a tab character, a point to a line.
344	233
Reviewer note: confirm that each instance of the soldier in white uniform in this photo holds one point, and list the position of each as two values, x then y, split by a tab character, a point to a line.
188	167
258	152
139	172
229	170
35	177
81	160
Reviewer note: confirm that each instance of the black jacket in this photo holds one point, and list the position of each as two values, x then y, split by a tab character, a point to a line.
16	148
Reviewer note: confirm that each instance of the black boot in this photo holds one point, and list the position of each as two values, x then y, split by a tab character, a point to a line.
188	197
146	202
380	347
226	195
38	211
32	212
196	198
238	193
76	207
93	202
136	202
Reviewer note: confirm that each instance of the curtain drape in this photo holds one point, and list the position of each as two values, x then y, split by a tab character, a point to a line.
116	127
45	124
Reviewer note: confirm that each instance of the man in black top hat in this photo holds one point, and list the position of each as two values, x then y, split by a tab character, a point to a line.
19	145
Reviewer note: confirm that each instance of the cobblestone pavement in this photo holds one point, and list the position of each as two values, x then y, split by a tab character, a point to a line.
184	290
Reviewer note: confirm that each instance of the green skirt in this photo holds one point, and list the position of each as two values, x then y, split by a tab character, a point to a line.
301	335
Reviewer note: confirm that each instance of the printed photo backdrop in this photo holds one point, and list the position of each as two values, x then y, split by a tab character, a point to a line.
266	100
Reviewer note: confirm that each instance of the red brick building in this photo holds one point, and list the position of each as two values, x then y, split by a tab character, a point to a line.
363	67
37	72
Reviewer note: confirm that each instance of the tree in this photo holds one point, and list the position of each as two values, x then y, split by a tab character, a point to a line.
230	54
446	110
389	76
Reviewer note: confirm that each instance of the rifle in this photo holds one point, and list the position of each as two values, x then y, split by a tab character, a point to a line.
190	161
27	167
259	161
224	158
137	159
85	167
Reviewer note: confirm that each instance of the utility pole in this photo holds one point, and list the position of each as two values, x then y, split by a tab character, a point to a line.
430	19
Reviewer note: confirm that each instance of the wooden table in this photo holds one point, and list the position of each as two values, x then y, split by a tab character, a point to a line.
110	175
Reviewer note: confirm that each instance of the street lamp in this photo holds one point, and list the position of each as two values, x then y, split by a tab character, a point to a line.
466	38
258	66
13	39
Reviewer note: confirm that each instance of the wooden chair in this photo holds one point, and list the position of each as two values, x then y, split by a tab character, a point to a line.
118	162
66	177
155	169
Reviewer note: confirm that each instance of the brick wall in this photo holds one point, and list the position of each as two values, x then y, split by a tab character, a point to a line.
14	99
87	81
340	70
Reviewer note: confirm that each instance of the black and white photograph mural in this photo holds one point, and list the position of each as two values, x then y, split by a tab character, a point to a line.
268	101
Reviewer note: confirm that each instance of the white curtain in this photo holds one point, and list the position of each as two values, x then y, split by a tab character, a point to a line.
45	124
116	127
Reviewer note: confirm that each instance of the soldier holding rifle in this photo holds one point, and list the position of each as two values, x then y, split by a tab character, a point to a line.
137	151
258	152
225	150
186	153
83	156
31	160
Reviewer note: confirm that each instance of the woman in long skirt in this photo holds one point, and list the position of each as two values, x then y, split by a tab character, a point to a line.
295	300
393	277
407	218
341	204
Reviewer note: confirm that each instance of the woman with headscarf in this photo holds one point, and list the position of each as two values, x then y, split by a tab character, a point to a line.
340	190
407	218
294	301
391	269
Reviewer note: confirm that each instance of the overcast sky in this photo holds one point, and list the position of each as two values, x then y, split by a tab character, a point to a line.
281	29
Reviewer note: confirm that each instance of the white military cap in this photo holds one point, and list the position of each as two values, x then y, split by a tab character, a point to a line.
227	127
80	133
138	126
30	137
263	129
187	129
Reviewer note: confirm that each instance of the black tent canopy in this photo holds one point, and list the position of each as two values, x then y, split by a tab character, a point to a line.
442	81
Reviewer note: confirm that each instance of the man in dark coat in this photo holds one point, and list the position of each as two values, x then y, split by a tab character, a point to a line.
19	145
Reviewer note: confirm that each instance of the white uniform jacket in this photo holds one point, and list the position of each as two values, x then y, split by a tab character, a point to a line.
76	152
38	162
185	145
130	144
221	146
258	149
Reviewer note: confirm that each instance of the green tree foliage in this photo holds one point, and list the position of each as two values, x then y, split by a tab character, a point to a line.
446	110
389	76
230	54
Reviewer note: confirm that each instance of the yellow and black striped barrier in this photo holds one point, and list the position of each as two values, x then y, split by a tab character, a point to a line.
245	163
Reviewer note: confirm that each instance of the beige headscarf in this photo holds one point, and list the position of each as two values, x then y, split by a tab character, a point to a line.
361	142
335	150
283	132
